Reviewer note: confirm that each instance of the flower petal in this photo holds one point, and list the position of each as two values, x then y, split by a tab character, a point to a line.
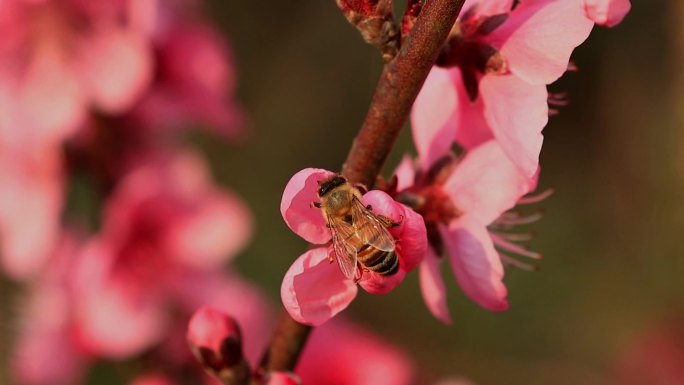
539	36
517	113
214	232
314	290
117	68
488	7
607	12
411	235
473	129
301	191
486	184
432	287
405	173
475	263
433	117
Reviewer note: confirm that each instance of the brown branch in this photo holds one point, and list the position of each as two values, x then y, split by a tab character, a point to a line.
397	89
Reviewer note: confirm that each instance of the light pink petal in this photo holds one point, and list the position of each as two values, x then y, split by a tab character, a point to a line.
539	36
405	173
432	287
379	284
314	290
607	12
473	129
282	378
213	233
433	117
116	68
30	209
475	263
517	113
488	7
51	97
486	184
114	318
301	191
143	16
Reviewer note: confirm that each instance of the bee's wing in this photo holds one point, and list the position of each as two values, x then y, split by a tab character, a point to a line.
345	252
370	229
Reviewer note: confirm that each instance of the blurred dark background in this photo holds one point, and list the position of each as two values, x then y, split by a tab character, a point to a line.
611	235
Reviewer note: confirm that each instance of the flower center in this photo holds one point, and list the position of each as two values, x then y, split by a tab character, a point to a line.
467	49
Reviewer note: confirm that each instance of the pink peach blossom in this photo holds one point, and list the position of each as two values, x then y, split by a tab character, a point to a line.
313	289
216	340
126	273
196	81
342	353
61	58
471	196
498	62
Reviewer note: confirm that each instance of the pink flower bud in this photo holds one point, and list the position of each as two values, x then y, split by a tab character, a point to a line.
216	342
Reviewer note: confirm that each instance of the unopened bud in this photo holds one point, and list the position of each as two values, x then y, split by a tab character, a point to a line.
216	342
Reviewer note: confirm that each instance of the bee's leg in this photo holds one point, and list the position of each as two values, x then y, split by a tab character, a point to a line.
331	259
316	205
388	222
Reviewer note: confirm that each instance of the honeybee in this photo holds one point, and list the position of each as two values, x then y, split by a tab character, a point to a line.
358	234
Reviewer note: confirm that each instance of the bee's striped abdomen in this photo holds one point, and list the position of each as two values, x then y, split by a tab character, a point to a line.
379	261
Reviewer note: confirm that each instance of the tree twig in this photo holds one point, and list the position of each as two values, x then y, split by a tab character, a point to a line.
394	95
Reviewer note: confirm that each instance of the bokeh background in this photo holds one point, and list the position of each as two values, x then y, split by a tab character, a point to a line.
612	231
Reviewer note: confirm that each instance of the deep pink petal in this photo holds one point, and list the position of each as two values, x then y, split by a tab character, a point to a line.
116	68
405	173
475	263
314	290
539	36
433	118
152	379
486	184
410	235
359	357
516	112
607	12
432	287
301	191
51	96
379	284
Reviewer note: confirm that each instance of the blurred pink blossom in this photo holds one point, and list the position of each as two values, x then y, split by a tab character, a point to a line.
607	12
60	58
654	356
195	80
46	352
164	225
342	353
31	196
283	378
314	290
458	204
498	62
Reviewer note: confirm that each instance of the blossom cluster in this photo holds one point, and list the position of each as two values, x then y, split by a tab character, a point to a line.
486	95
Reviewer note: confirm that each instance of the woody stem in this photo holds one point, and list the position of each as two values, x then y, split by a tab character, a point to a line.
399	84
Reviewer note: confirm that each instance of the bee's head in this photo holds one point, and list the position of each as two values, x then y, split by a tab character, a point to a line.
329	184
